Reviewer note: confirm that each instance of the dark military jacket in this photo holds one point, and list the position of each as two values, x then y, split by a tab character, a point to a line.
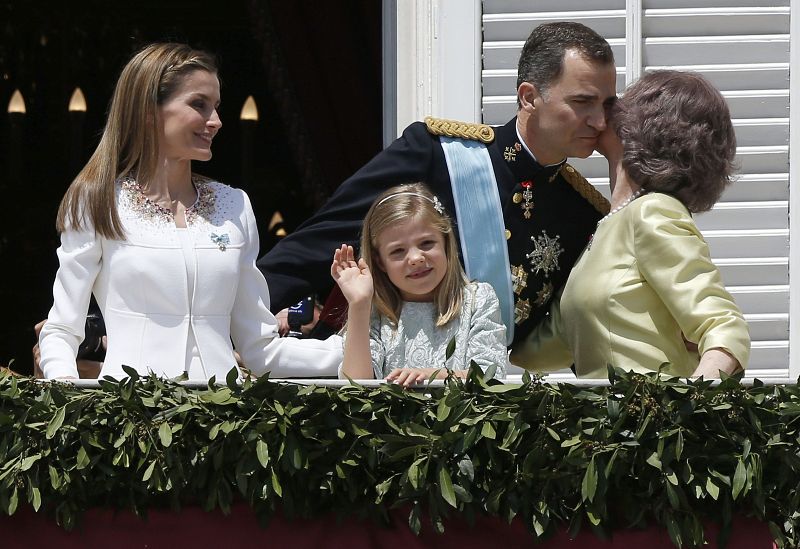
550	213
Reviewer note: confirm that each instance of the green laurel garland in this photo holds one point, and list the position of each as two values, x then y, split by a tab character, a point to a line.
644	450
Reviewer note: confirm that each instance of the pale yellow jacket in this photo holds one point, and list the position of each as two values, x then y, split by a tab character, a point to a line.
645	279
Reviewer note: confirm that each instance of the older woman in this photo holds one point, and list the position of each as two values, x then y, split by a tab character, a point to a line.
645	293
169	254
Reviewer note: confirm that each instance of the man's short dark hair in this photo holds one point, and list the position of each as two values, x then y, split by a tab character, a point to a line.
677	137
542	59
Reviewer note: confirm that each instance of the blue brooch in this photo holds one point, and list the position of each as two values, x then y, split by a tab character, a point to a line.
221	240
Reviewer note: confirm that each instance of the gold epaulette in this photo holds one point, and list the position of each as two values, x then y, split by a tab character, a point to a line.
464	130
585	189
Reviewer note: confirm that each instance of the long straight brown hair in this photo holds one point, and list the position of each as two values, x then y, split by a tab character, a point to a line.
129	144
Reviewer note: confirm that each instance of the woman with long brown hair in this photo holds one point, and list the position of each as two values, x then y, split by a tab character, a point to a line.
169	255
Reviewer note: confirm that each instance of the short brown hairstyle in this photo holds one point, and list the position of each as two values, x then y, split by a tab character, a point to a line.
677	137
541	61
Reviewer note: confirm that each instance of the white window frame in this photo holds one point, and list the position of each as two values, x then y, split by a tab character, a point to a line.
432	62
794	193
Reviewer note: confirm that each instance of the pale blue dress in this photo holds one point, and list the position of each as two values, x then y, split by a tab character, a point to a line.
417	342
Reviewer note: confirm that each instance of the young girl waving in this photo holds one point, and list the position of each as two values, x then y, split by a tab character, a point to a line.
409	297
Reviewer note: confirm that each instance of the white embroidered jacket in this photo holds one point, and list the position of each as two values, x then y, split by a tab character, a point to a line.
141	286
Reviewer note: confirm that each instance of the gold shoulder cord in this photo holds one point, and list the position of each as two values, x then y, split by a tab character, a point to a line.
463	130
585	189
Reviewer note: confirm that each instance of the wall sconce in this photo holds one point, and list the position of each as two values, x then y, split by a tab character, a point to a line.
77	103
16	137
77	113
249	110
248	120
277	221
17	103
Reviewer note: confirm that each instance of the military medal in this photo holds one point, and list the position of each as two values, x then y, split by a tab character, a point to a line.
527	199
543	295
546	251
522	310
510	153
519	278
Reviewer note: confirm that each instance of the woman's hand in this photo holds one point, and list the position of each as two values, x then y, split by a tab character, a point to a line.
354	278
715	361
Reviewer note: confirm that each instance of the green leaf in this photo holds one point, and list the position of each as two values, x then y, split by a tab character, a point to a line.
739	479
446	487
553	434
165	434
504	388
613	407
462	494
414	475
654	461
262	453
466	468
538	527
672	478
672	495
442	411
674	531
55	423
490	373
276	485
488	431
383	488
589	483
55	478
13	501
131	373
712	489
36	498
415	519
610	464
232	378
28	462
82	460
574	441
149	471
451	348
679	445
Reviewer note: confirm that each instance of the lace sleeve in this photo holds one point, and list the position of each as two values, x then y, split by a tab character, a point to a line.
487	333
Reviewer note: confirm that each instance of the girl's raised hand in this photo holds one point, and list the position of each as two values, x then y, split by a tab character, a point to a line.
353	277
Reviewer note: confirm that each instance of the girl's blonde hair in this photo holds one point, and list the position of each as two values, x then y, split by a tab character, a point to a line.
399	205
129	144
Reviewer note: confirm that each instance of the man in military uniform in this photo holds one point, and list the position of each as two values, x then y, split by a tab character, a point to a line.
566	81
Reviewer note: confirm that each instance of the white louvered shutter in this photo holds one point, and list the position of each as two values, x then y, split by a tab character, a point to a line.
742	46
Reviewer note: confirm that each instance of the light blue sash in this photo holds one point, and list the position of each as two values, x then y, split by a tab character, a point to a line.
480	220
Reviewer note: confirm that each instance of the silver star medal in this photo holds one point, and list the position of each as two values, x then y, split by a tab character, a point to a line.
546	251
